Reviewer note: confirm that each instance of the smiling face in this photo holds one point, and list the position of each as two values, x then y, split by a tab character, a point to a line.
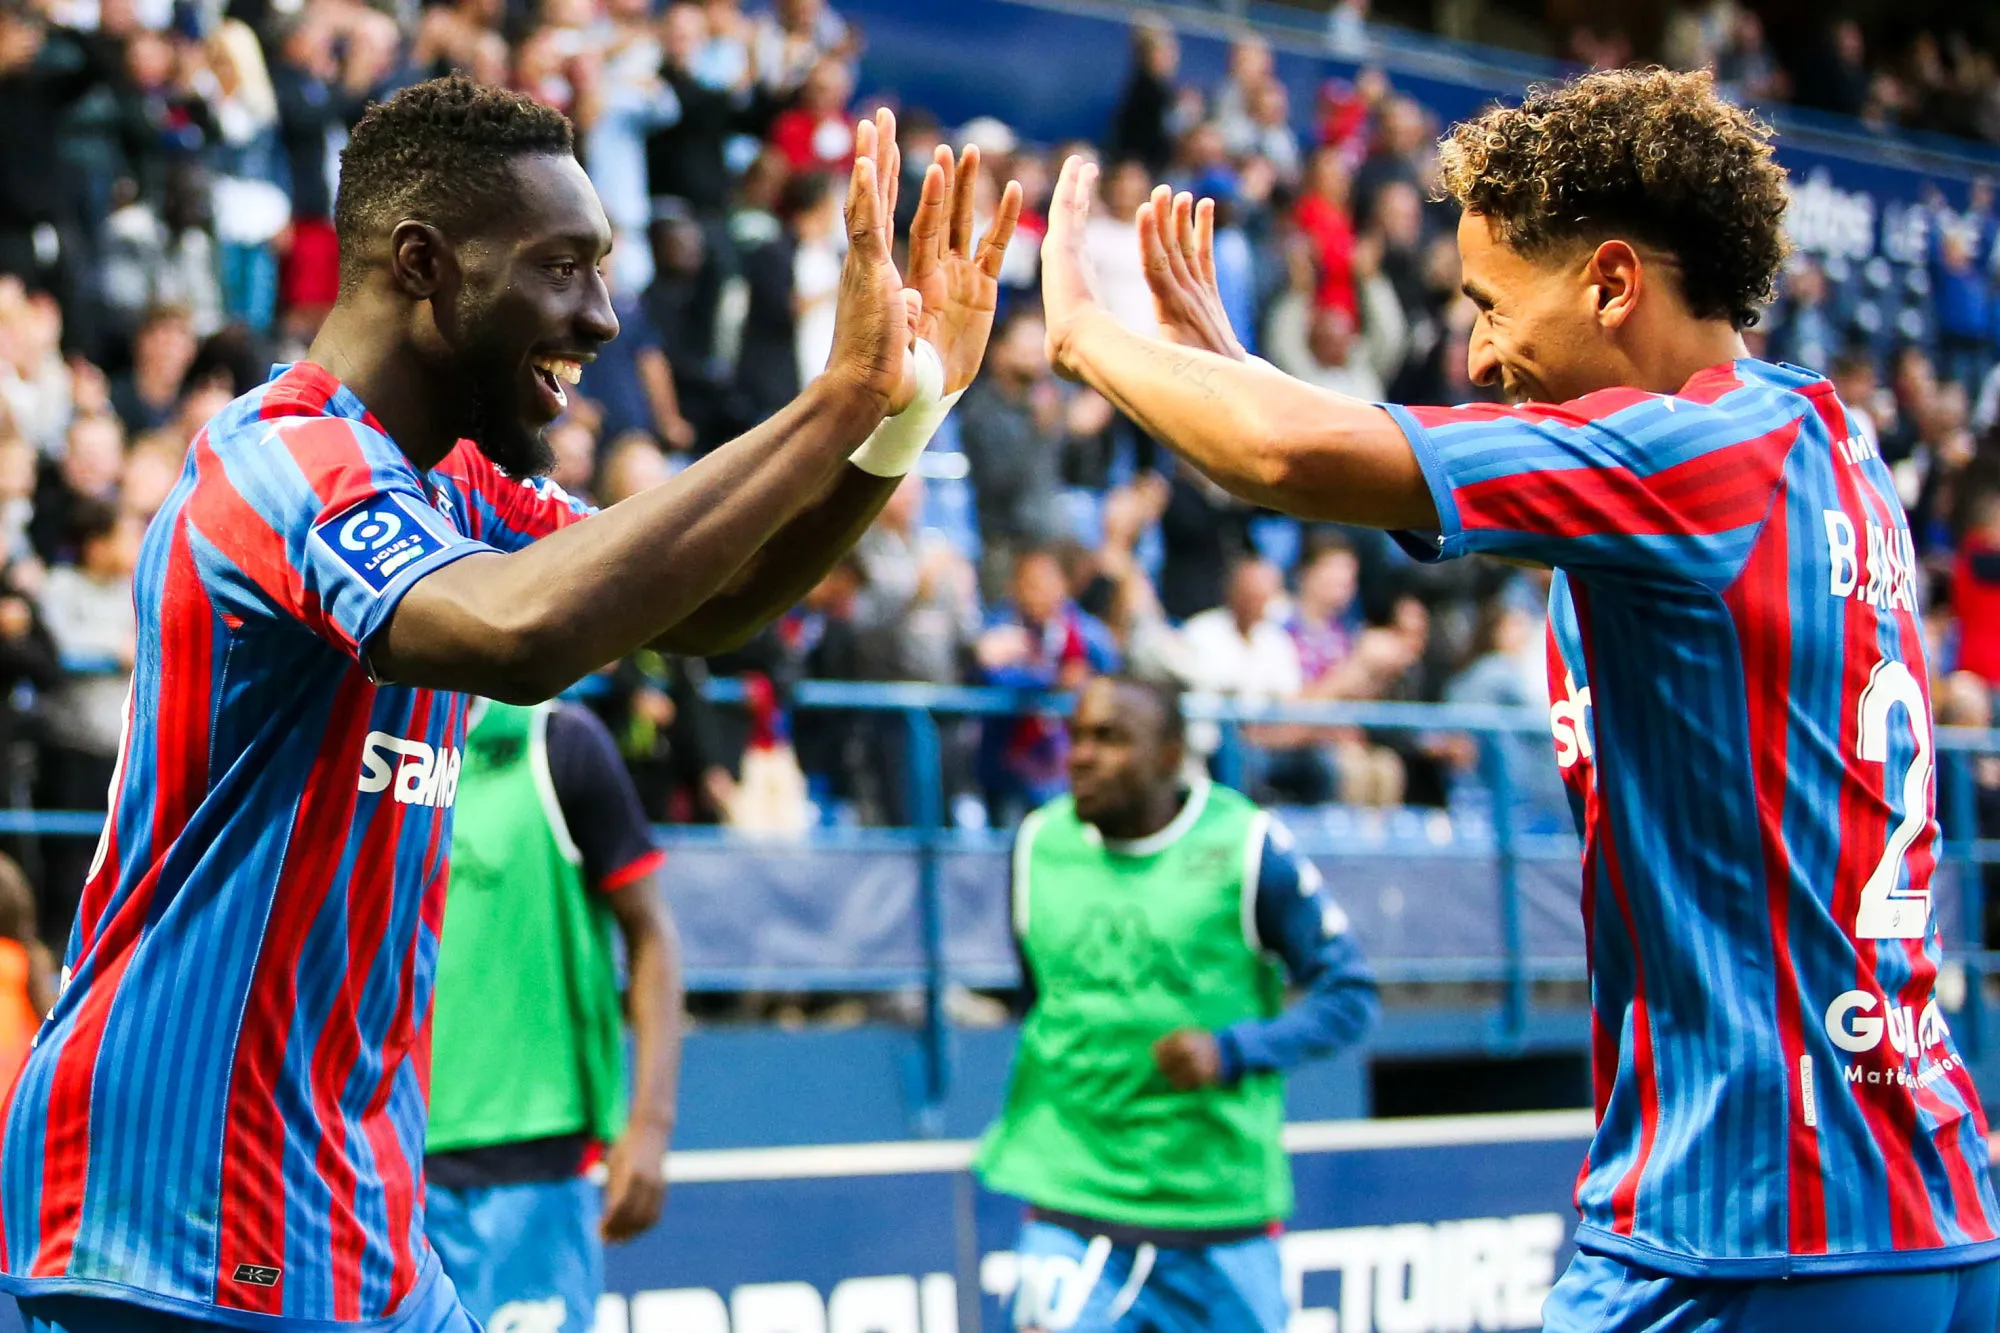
1536	334
530	309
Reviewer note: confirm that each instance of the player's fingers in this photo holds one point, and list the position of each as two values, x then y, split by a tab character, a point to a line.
864	207
1204	228
1184	229
928	226
889	163
961	202
1167	218
1151	253
941	236
999	232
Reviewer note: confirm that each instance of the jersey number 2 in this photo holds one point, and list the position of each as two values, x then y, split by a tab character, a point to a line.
1886	912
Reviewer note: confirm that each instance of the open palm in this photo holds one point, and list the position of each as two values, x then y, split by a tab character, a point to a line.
960	286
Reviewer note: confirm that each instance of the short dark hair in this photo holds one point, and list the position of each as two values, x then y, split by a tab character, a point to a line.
439	150
1655	155
1166	697
91	519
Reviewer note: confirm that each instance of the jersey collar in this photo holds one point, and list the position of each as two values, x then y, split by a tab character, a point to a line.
1155	843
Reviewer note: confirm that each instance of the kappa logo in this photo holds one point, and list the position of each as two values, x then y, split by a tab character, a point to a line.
426	776
257	1275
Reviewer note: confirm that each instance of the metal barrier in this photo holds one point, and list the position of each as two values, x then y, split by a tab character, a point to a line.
930	837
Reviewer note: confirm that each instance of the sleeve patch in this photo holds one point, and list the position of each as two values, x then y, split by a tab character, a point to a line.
378	537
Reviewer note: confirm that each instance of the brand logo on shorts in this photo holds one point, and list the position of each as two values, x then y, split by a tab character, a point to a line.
257	1275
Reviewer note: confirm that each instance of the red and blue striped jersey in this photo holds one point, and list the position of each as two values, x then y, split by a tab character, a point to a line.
1741	705
224	1113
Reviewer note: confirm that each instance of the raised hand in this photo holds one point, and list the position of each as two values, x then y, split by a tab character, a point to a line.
1177	244
874	323
960	286
1068	293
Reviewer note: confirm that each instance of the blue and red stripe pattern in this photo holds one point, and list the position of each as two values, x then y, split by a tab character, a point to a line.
1740	702
223	1115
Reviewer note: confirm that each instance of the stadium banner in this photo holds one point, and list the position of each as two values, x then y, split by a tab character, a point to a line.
1046	68
1438	1225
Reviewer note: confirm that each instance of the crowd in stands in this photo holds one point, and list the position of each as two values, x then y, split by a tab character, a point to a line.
166	184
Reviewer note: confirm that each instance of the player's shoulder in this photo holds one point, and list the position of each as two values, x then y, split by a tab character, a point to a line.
274	420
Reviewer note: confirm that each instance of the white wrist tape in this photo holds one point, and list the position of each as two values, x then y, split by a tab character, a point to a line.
894	447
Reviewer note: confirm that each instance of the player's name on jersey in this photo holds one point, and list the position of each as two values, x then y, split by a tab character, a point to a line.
1875	564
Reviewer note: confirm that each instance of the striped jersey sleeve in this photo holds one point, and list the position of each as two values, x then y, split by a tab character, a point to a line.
1619	482
506	513
319	520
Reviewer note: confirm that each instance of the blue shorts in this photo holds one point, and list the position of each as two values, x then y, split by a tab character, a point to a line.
432	1308
1070	1283
1604	1295
525	1258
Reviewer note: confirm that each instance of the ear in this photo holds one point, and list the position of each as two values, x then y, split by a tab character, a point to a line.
421	261
1615	278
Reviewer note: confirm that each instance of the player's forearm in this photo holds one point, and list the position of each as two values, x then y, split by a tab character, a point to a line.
1258	433
1338	1008
786	568
655	1003
522	627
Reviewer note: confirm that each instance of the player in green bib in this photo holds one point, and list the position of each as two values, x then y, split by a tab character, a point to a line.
1157	924
551	854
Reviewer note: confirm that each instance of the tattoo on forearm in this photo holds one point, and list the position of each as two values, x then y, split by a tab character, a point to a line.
1190	370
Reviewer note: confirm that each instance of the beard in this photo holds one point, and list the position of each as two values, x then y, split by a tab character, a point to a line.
519	450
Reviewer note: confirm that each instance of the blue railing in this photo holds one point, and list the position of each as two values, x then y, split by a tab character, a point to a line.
930	838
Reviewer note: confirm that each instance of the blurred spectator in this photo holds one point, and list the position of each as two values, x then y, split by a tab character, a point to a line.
767	354
39	390
633	101
815	134
1322	215
462	37
632	464
17	499
1144	127
163	349
918	607
632	382
1011	428
819	246
92	463
1803	330
1239	650
1111	243
1745	67
41	235
1320	344
687	167
1037	640
1230	110
793	38
1203	531
163	258
1402	151
1509	669
320	95
1834	76
682	304
1962	291
88	609
574	444
152	469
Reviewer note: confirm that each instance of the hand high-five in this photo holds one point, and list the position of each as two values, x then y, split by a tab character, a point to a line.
1177	244
1069	295
960	287
952	290
875	317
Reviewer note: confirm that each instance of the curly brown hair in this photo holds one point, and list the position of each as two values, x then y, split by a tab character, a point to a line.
1648	154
